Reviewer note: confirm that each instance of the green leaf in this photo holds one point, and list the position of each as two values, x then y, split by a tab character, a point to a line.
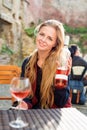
30	31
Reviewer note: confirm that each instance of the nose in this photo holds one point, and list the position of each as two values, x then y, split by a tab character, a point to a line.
44	39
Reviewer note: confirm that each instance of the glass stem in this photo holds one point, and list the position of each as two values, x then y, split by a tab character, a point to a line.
19	111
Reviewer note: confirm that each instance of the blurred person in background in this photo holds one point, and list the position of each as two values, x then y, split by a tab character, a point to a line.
78	70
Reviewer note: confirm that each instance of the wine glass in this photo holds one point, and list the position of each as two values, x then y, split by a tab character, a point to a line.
20	88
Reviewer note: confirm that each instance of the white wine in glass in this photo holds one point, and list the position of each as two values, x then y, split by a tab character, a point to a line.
20	88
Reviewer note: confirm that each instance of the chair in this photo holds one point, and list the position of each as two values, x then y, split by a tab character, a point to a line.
7	72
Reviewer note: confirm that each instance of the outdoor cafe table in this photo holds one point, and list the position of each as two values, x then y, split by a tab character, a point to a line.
46	119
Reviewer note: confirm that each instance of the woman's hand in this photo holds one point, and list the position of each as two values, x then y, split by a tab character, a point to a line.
22	105
68	66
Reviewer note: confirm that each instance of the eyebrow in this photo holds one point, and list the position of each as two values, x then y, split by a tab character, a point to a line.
48	35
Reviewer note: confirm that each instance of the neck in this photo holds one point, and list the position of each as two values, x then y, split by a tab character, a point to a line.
41	58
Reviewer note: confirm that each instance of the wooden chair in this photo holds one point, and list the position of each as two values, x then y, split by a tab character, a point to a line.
7	72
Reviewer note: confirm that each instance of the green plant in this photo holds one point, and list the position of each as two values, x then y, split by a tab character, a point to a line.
81	33
6	49
73	30
30	31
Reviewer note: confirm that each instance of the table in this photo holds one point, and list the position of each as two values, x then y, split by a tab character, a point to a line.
46	119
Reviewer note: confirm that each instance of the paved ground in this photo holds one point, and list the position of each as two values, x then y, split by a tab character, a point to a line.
4	90
7	104
82	108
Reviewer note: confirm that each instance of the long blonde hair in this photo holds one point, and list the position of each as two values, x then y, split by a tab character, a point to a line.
49	66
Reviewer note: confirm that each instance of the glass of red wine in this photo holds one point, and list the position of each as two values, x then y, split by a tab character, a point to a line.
20	88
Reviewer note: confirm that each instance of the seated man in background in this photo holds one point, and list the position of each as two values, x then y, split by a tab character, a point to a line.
79	67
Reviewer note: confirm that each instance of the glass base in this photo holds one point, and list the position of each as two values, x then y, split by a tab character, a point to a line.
18	124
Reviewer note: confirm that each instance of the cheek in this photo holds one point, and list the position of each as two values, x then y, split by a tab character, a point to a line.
54	44
51	46
37	40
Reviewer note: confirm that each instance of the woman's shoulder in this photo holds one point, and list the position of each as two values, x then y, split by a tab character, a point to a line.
26	60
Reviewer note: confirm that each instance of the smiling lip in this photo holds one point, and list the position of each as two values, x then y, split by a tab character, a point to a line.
41	44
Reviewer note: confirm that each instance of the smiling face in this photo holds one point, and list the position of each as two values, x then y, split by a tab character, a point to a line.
46	38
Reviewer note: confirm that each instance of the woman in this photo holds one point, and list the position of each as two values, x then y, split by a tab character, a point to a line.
41	67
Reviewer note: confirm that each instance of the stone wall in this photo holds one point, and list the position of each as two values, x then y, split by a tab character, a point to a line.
72	12
11	21
15	16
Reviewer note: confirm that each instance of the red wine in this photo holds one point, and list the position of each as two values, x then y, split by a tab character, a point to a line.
20	94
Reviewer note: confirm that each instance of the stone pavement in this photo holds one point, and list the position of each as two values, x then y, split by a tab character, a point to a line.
7	104
82	108
4	90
